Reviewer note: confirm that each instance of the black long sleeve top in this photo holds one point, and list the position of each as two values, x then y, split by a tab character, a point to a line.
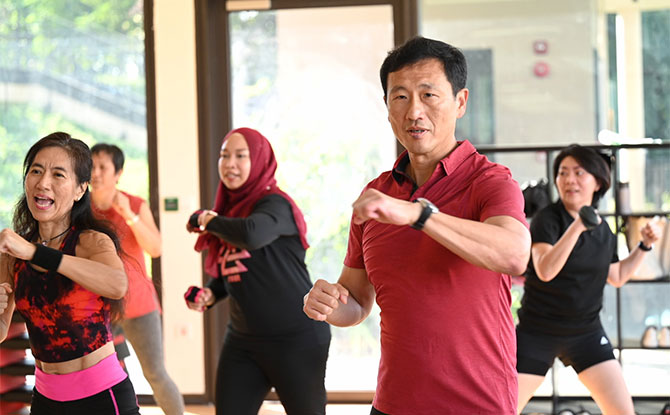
265	274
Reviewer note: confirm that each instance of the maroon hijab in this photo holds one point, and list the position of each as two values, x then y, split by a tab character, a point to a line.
238	203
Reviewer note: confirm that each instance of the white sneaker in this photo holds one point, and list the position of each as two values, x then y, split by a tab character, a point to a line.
650	337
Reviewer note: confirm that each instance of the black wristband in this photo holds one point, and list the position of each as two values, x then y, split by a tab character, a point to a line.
193	219
191	294
644	247
47	258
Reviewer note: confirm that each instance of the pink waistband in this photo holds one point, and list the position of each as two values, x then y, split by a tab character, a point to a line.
82	384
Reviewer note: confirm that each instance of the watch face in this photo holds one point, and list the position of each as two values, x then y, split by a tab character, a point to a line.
427	209
427	203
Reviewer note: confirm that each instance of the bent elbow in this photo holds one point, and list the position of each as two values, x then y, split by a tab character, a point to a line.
544	277
253	243
617	283
155	249
517	264
121	288
516	269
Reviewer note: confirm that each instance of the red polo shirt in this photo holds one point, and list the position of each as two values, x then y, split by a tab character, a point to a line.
447	335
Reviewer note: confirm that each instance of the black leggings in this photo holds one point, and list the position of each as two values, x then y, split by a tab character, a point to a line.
118	400
247	371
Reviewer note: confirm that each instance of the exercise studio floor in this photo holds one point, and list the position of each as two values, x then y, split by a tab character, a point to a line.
267	409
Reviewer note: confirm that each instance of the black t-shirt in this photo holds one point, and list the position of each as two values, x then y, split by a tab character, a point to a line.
571	302
265	275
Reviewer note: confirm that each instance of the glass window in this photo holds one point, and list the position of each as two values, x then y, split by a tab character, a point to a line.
308	80
656	62
479	120
78	67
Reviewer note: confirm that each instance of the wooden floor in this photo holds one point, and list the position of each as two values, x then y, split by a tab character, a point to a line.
267	409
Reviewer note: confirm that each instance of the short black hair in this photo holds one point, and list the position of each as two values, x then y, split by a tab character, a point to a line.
118	159
593	162
420	48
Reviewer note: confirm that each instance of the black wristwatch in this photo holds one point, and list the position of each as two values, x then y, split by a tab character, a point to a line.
644	247
428	209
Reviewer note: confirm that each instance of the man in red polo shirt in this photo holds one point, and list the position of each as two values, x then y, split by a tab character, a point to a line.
433	242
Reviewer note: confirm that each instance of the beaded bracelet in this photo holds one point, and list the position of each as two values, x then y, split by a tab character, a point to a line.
133	220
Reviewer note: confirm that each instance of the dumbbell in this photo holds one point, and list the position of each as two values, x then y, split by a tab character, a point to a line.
589	217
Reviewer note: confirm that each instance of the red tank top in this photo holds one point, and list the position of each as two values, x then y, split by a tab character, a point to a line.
65	321
141	298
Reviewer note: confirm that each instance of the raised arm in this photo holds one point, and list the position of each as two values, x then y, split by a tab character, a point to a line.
96	266
142	224
346	303
271	218
620	272
500	243
549	259
6	296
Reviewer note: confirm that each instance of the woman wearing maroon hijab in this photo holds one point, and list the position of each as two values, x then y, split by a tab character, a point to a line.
256	242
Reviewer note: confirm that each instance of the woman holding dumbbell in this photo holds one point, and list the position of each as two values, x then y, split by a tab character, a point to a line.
573	255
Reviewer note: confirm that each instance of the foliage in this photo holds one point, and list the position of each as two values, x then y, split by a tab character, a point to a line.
21	125
94	42
85	50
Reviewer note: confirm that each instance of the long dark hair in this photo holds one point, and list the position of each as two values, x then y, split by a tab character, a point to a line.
81	215
593	162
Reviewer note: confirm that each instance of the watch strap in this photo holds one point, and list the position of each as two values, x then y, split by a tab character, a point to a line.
644	247
425	214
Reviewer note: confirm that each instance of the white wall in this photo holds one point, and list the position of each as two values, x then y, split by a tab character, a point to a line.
556	109
177	130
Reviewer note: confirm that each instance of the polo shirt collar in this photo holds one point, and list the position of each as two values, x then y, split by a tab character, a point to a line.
449	164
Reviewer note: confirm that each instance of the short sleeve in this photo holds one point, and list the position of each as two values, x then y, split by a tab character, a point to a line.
354	257
545	227
500	195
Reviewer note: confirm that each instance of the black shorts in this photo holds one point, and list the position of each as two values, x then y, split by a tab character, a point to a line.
536	352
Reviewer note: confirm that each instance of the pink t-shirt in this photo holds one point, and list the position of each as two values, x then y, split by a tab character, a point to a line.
141	298
447	334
